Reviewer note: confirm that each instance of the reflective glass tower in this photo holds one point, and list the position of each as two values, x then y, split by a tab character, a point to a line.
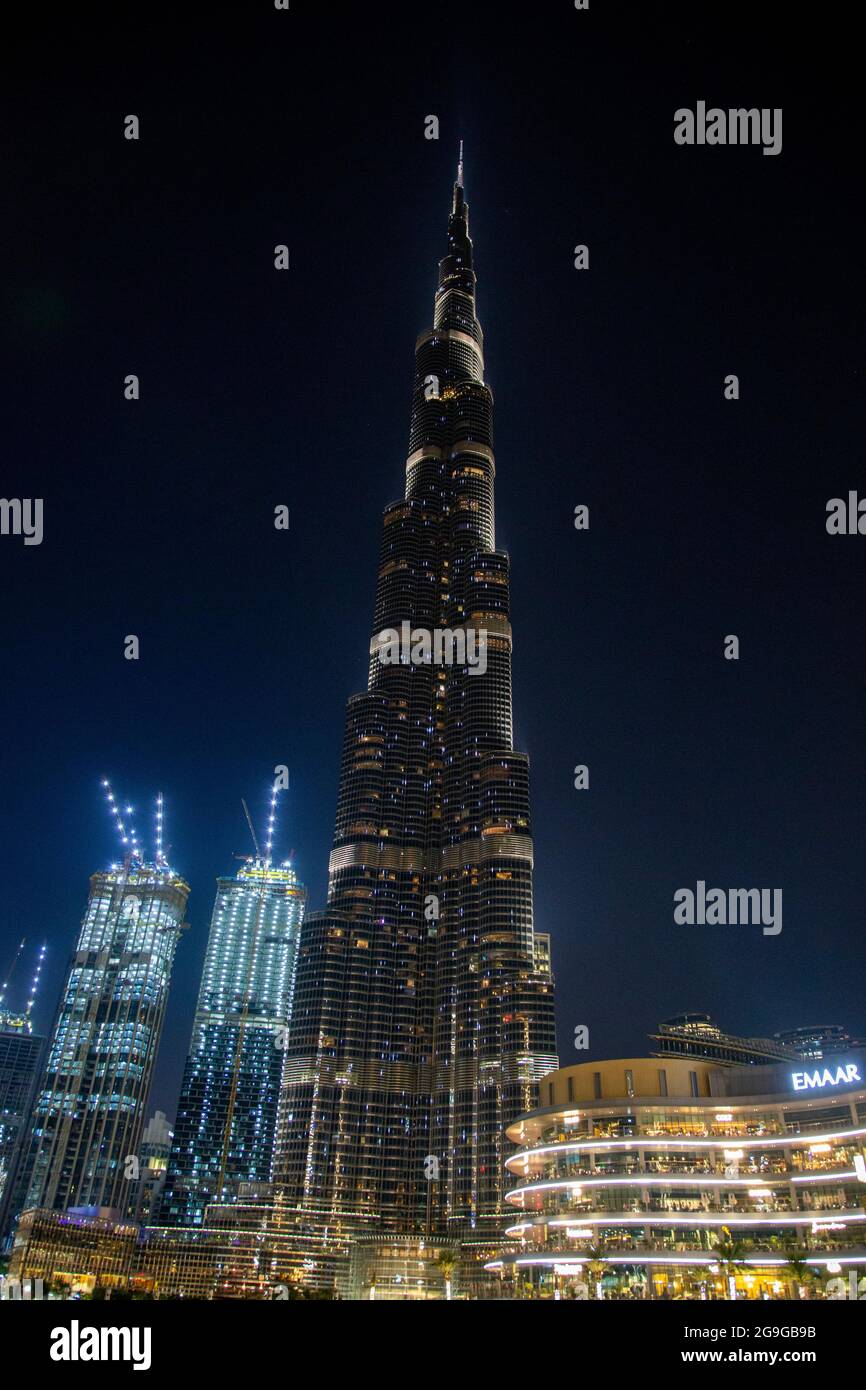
91	1102
423	1008
224	1133
20	1061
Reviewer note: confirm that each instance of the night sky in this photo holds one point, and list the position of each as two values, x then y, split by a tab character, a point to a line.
707	517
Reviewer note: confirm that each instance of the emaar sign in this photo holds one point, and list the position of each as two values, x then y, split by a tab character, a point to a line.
812	1080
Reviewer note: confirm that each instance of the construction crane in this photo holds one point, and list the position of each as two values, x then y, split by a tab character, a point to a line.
11	971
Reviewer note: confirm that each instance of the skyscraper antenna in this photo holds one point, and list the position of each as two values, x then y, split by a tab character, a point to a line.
272	820
460	167
160	860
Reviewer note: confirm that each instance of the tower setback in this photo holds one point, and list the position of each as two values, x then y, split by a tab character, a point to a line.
423	1005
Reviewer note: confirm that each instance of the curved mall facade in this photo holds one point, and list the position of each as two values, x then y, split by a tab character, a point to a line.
675	1178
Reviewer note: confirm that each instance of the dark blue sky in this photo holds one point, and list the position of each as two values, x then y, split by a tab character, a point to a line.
259	388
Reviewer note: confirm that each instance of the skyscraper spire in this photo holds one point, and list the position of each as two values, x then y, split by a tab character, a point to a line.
426	998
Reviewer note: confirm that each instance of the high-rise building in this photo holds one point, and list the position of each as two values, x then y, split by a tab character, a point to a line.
818	1041
423	1007
154	1151
695	1035
90	1105
20	1061
224	1132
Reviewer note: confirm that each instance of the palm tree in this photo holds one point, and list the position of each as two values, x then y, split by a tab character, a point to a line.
595	1254
446	1263
729	1252
795	1262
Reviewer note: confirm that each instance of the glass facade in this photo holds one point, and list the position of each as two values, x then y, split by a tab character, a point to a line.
695	1035
90	1104
224	1133
423	1010
77	1251
20	1059
658	1195
155	1149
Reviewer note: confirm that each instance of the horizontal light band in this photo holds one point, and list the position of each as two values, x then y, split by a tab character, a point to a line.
684	1219
602	1145
661	1258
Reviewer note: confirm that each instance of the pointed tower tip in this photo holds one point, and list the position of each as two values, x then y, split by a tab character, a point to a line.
460	167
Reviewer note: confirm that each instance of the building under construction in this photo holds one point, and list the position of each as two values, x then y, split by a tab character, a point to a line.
224	1132
21	1053
91	1102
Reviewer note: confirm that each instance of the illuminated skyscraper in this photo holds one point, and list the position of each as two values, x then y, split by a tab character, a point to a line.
423	1008
90	1102
224	1132
21	1060
155	1148
90	1105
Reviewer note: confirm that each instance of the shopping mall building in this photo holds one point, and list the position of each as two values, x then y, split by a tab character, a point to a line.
675	1178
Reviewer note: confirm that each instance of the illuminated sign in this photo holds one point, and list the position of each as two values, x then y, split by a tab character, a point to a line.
810	1080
